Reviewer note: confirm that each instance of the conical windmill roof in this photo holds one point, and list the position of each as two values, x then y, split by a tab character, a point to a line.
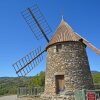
65	33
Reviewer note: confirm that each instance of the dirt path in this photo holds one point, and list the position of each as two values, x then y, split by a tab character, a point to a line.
14	97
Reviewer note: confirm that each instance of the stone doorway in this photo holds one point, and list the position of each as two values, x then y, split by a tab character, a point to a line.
59	84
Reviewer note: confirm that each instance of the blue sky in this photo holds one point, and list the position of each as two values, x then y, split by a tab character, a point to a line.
17	40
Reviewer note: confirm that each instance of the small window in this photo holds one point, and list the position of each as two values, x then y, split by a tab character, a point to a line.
58	47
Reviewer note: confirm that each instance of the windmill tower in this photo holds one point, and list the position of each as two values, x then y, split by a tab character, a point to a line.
67	66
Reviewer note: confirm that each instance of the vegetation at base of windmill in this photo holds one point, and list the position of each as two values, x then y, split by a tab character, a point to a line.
96	80
38	80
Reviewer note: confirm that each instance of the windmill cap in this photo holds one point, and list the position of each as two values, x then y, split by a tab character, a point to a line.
63	33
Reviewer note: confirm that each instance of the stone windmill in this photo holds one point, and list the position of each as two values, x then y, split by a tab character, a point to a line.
67	66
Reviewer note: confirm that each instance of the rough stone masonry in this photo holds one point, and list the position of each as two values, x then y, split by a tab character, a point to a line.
71	61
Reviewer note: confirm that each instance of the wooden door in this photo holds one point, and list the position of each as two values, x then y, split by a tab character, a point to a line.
59	83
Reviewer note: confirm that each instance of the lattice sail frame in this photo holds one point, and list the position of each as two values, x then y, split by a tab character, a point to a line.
33	16
29	62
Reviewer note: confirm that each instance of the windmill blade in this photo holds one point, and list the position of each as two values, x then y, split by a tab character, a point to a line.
89	44
36	22
29	62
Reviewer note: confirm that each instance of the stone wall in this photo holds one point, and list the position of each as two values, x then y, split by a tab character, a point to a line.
71	61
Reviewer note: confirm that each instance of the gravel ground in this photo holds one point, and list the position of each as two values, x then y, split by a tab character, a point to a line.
14	97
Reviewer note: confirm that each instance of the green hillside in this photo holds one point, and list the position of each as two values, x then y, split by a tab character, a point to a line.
9	85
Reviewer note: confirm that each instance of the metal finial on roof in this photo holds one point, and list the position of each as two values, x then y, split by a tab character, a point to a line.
62	18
